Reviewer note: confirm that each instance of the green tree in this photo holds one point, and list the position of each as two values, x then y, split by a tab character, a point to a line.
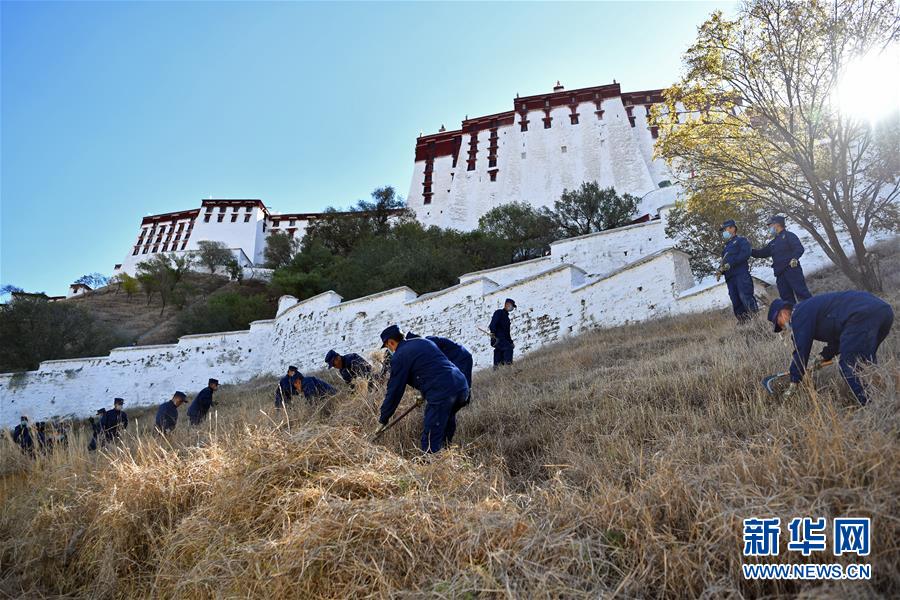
527	231
235	270
33	330
696	230
590	209
129	285
226	311
164	275
213	255
280	249
339	231
756	119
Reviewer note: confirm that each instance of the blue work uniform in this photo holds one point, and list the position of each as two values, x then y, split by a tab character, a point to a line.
740	285
782	249
112	422
420	363
852	324
314	388
462	360
502	338
285	391
22	437
196	412
354	366
166	416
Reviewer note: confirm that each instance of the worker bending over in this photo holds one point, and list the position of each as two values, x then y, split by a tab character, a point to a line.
852	324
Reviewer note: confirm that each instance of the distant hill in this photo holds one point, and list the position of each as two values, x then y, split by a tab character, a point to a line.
148	324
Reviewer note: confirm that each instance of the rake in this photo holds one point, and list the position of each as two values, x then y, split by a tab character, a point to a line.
415	405
770	381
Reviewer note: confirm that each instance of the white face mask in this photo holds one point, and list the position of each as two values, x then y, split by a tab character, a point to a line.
772	231
726	235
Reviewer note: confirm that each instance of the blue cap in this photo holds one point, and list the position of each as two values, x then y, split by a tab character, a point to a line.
411	336
329	358
118	401
776	219
775	308
390	332
728	223
510	301
212	381
292	368
180	395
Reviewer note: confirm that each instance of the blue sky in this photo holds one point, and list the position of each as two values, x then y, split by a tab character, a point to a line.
111	111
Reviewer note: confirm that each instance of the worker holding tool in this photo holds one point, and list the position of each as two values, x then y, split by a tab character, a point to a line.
420	364
462	360
736	270
114	421
350	366
285	390
501	338
785	251
852	324
312	388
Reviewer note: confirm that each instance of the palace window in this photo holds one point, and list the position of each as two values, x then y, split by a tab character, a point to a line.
221	209
291	223
275	223
136	250
146	250
574	118
563	149
206	218
249	208
234	218
184	244
235	209
221	217
156	248
246	218
547	122
493	175
654	131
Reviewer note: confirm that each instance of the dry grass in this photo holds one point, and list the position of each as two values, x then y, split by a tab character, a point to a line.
619	463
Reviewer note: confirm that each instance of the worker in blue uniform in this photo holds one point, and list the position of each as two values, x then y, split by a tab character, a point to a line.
350	366
22	436
785	250
852	324
285	390
420	363
312	388
167	413
96	423
114	421
462	360
203	401
501	337
736	269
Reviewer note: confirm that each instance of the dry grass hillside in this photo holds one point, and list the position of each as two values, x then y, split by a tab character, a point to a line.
147	323
618	463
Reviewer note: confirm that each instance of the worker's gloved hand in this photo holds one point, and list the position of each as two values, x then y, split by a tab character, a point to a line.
420	401
794	263
791	391
724	267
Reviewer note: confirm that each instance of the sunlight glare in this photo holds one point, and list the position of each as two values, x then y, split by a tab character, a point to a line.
870	86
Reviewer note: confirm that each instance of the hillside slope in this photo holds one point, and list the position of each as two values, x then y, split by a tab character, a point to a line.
148	323
619	463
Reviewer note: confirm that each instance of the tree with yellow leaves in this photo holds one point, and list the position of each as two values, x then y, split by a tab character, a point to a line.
758	123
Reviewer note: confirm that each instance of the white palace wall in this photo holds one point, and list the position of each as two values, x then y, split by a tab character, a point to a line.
612	278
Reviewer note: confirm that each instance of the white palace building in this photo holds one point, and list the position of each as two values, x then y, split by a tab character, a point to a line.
546	143
241	224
